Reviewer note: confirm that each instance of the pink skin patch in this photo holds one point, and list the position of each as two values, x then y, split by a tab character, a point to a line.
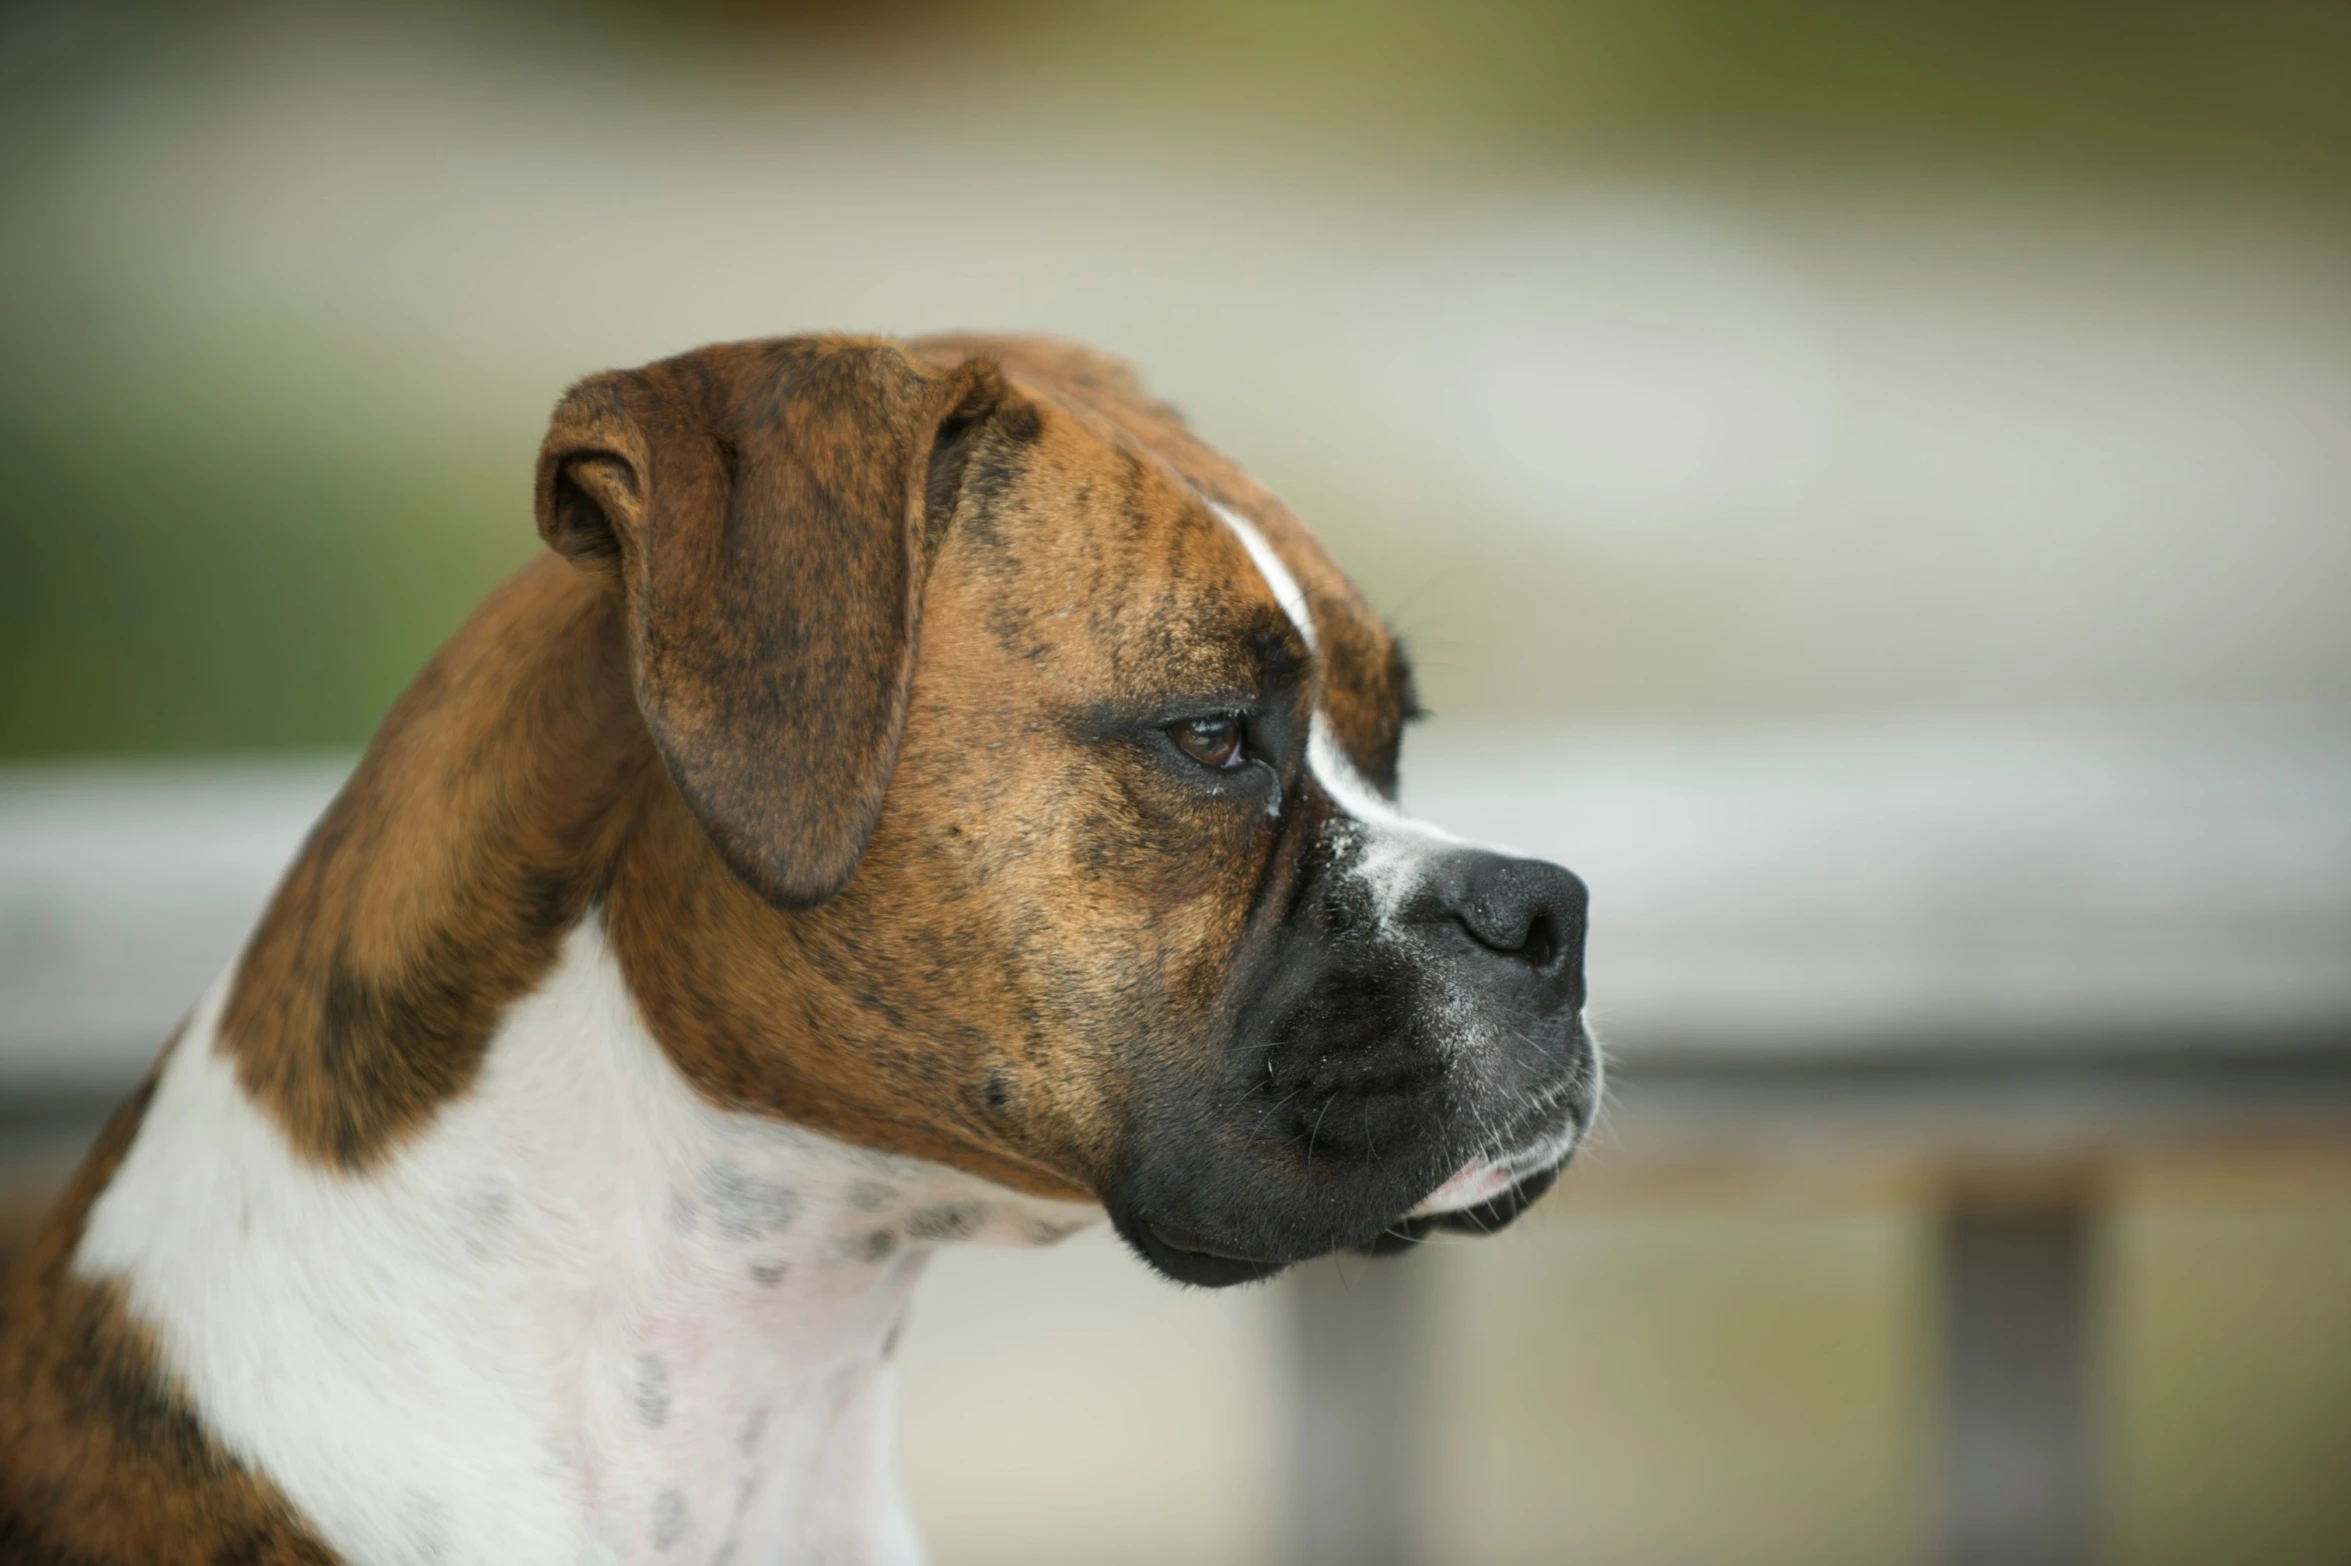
1479	1180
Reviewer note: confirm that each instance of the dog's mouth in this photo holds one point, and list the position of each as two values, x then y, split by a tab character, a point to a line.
1487	1177
1491	1188
1487	1189
1485	1196
1482	1218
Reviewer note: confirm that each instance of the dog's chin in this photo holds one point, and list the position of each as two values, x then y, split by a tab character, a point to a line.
1218	1249
1484	1197
1245	1233
1188	1260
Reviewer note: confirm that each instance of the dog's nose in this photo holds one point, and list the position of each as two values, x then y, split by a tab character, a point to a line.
1526	911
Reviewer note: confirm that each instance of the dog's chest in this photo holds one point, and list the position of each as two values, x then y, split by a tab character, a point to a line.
711	1427
584	1317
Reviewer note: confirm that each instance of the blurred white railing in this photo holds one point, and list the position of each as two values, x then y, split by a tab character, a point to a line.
1967	945
1827	888
1806	890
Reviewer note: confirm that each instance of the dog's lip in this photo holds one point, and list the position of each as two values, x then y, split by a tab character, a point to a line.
1184	1255
1488	1175
1479	1180
1184	1240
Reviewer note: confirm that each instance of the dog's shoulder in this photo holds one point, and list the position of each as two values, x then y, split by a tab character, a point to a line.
102	1460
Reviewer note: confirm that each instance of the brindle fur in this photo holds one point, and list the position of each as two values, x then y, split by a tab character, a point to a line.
1070	900
101	1459
968	916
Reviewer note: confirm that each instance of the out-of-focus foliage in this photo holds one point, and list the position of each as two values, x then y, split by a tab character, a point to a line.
195	586
2247	91
201	552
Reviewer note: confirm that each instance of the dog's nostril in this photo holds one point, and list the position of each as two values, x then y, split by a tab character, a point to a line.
1523	909
1530	938
1541	944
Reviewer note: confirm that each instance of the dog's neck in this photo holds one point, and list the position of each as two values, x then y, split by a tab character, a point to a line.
571	1309
585	1315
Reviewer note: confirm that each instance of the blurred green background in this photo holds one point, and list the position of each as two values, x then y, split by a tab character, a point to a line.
287	289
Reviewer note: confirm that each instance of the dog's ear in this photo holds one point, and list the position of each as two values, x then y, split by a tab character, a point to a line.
768	512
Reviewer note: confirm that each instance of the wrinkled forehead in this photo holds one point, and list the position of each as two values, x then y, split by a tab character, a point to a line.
1179	572
1110	578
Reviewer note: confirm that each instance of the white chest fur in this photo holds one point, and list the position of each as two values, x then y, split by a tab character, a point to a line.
583	1317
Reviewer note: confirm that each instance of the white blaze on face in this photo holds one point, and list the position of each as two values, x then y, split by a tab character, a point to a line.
1286	590
1395	848
1393	856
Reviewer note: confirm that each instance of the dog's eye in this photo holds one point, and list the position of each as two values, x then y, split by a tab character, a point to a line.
1212	741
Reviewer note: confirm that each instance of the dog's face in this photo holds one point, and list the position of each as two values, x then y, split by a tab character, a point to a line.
1133	913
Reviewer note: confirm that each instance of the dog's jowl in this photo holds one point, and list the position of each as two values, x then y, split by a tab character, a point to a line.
922	796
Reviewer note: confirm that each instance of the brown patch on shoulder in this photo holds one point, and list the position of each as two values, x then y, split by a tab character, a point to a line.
437	886
102	1460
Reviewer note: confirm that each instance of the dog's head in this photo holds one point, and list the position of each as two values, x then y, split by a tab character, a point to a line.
1033	807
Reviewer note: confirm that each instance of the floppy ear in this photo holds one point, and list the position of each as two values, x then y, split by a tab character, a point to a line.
769	511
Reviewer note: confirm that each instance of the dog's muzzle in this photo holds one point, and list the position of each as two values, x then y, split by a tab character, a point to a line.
1410	1055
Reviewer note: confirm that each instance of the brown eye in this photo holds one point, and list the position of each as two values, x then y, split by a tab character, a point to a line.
1212	742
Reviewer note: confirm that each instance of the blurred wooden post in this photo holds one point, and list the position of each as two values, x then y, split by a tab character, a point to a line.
1358	1447
2019	1469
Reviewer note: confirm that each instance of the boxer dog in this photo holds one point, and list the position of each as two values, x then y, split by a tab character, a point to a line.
922	795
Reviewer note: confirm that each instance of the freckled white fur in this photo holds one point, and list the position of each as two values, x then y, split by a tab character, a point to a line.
582	1317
